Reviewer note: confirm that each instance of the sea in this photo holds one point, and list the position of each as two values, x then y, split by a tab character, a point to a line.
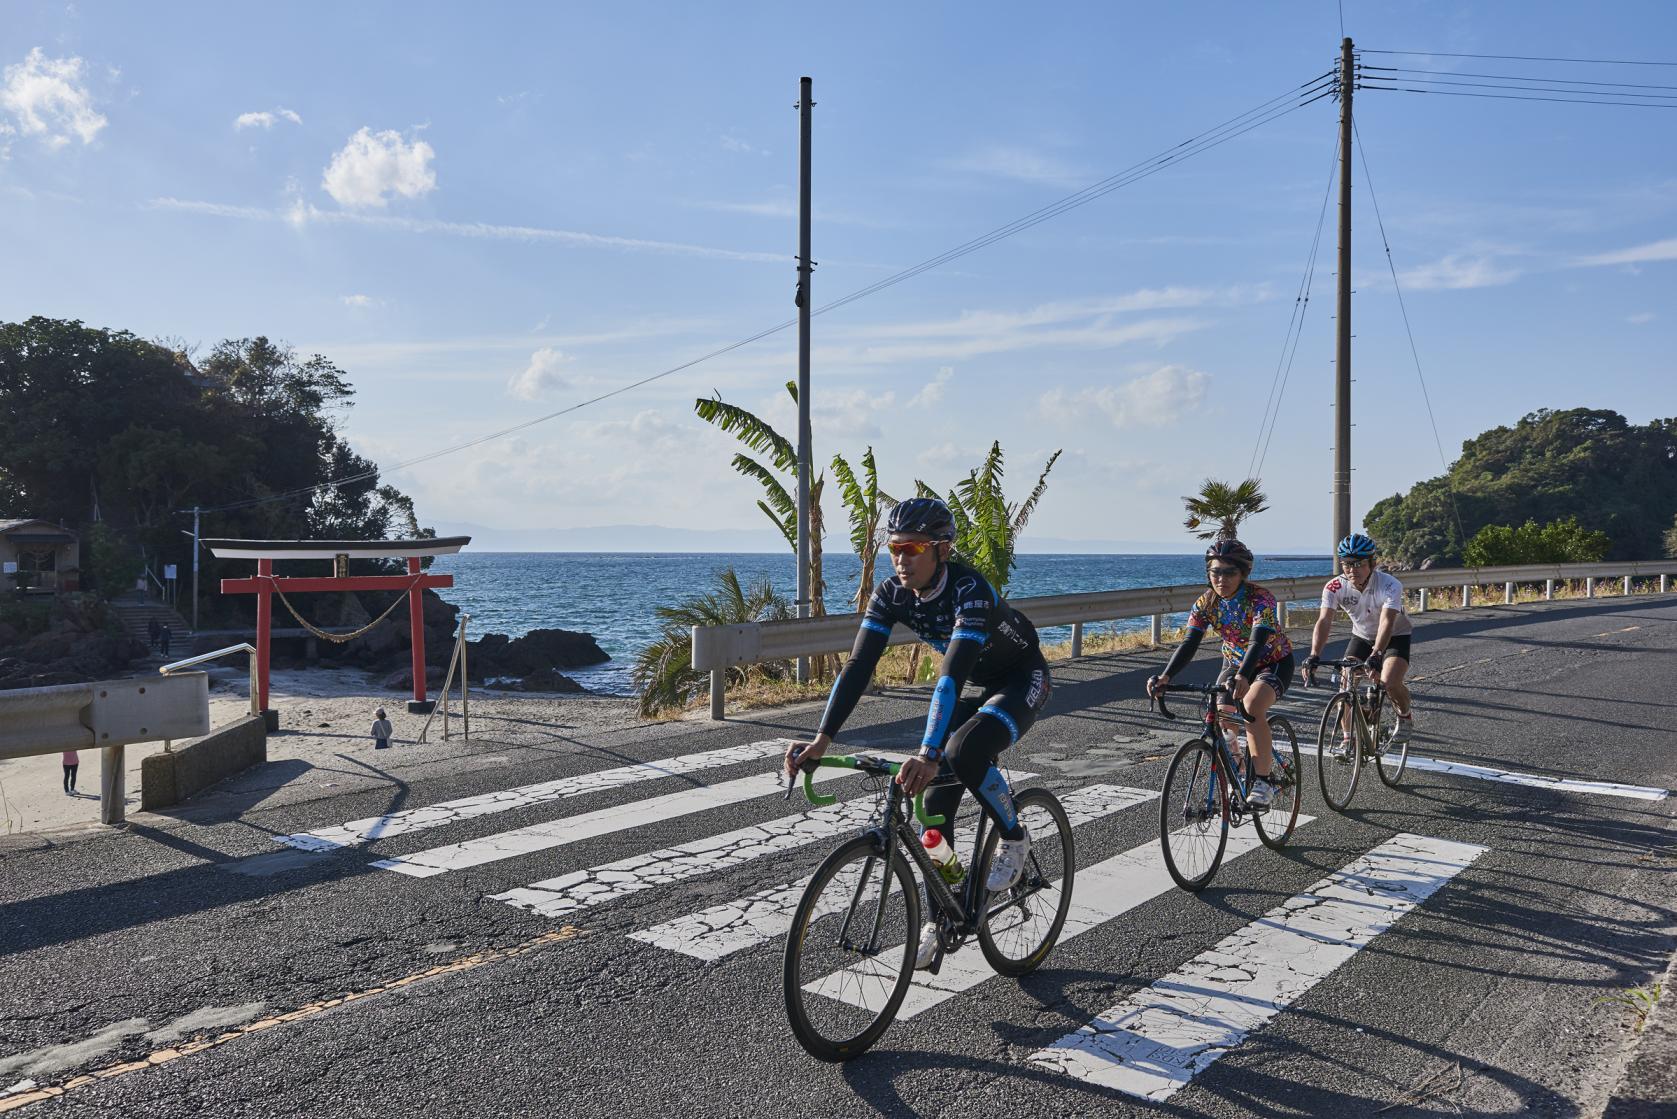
615	596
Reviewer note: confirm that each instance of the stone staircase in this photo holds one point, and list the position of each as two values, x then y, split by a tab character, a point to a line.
136	615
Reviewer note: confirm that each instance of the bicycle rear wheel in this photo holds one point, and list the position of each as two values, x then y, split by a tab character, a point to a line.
1022	923
1389	760
850	956
1338	765
1275	824
1194	815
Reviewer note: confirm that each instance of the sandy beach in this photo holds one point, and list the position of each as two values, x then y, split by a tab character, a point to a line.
325	715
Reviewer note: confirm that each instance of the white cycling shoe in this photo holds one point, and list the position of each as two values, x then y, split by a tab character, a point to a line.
928	947
1008	864
1261	794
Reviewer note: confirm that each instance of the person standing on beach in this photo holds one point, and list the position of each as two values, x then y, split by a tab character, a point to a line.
72	762
381	730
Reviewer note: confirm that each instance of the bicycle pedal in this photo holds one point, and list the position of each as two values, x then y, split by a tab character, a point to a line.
937	963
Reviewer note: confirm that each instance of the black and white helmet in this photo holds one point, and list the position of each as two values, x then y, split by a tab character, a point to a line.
923	516
1234	552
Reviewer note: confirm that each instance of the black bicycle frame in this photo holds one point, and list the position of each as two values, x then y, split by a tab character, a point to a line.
892	830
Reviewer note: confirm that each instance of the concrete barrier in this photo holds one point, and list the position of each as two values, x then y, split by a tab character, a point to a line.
172	776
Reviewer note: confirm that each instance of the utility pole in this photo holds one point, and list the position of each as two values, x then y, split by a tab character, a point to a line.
195	512
805	267
1342	320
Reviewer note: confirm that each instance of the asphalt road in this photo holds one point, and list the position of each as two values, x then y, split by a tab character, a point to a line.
1481	998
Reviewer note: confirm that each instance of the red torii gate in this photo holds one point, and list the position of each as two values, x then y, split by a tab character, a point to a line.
266	584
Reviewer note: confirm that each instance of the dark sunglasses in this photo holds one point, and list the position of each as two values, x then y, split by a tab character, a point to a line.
1224	572
909	547
1352	564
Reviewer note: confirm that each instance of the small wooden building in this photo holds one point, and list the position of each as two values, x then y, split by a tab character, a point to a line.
38	557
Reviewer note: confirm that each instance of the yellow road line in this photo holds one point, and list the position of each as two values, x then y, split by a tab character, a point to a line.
313	1009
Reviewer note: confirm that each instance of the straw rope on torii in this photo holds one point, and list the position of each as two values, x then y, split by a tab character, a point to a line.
265	585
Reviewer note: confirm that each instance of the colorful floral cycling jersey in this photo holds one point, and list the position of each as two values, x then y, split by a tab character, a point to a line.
1234	619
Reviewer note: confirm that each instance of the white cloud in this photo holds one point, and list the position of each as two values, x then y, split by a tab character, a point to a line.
933	391
733	143
1639	254
45	97
300	214
1641	318
541	375
1457	271
264	119
358	301
1153	400
942	456
371	166
1023	165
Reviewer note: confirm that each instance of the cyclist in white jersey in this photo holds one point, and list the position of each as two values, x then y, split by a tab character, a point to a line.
1380	630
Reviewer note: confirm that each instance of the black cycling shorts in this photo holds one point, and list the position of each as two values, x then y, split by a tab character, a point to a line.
1279	676
1360	647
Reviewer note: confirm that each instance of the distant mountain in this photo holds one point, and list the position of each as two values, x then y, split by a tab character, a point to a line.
656	538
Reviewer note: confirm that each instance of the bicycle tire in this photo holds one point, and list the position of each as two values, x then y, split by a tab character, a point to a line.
1041	899
1333	772
859	998
1189	818
1275	824
1389	760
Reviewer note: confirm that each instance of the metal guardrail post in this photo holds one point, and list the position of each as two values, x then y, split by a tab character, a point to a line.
1281	612
1507	593
1077	639
1548	590
255	698
1157	632
1423	608
113	797
718	685
1627	584
1467	596
1589	588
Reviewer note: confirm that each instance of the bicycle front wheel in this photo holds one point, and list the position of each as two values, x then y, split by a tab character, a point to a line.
1194	815
1022	923
1389	760
1275	824
1338	759
850	956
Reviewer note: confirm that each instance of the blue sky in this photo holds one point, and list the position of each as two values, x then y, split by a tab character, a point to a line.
487	213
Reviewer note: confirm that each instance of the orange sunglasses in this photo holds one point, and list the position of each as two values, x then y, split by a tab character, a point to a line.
909	547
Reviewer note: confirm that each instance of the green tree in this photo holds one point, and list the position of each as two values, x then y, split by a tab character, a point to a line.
663	673
864	501
987	525
1592	464
1557	542
116	563
1223	507
1670	540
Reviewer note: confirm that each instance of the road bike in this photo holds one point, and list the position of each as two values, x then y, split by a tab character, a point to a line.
856	931
1206	788
1358	726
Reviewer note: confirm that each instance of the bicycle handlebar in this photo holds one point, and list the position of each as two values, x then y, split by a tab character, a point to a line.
1158	701
879	766
1352	663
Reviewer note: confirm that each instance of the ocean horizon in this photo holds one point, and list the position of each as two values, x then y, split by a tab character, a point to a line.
615	595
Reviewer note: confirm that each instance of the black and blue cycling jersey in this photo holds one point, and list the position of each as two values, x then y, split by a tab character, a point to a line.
981	637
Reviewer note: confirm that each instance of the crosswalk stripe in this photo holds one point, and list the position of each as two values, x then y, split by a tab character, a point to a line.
580	889
1538	780
590	825
1106	890
1154	1043
722	930
357	832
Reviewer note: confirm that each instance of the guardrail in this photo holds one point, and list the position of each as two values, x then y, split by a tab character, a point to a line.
719	648
175	666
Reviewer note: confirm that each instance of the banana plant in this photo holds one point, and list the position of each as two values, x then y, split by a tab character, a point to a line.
987	525
1217	510
864	501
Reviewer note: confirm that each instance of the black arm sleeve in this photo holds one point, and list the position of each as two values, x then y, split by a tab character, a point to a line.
853	681
1184	652
1254	653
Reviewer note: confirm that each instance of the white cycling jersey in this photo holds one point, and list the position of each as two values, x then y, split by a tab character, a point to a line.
1363	607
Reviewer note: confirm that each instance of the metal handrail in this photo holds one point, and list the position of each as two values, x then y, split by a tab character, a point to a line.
176	666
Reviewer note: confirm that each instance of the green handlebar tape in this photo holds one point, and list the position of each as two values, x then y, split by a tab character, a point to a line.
850	763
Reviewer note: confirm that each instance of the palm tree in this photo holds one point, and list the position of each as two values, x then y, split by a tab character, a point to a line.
664	673
864	501
987	525
1222	504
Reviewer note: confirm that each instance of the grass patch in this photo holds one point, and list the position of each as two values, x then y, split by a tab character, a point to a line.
1638	1000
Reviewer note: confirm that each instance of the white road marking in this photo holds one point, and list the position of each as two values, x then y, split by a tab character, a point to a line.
722	930
1154	1043
1107	889
1538	780
357	832
589	825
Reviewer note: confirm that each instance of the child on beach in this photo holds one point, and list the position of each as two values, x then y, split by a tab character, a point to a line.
72	762
381	730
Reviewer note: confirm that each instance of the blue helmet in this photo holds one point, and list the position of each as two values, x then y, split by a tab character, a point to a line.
1356	546
924	516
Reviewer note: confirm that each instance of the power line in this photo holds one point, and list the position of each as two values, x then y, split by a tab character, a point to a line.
1274	109
1522	97
1527	58
1518	84
1295	332
1515	77
1414	351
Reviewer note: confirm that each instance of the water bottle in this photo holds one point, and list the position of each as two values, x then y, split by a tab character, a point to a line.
943	854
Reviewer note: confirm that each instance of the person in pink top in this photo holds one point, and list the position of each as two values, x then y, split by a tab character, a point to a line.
72	762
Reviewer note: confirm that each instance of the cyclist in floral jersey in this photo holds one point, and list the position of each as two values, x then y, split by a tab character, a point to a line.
1257	657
